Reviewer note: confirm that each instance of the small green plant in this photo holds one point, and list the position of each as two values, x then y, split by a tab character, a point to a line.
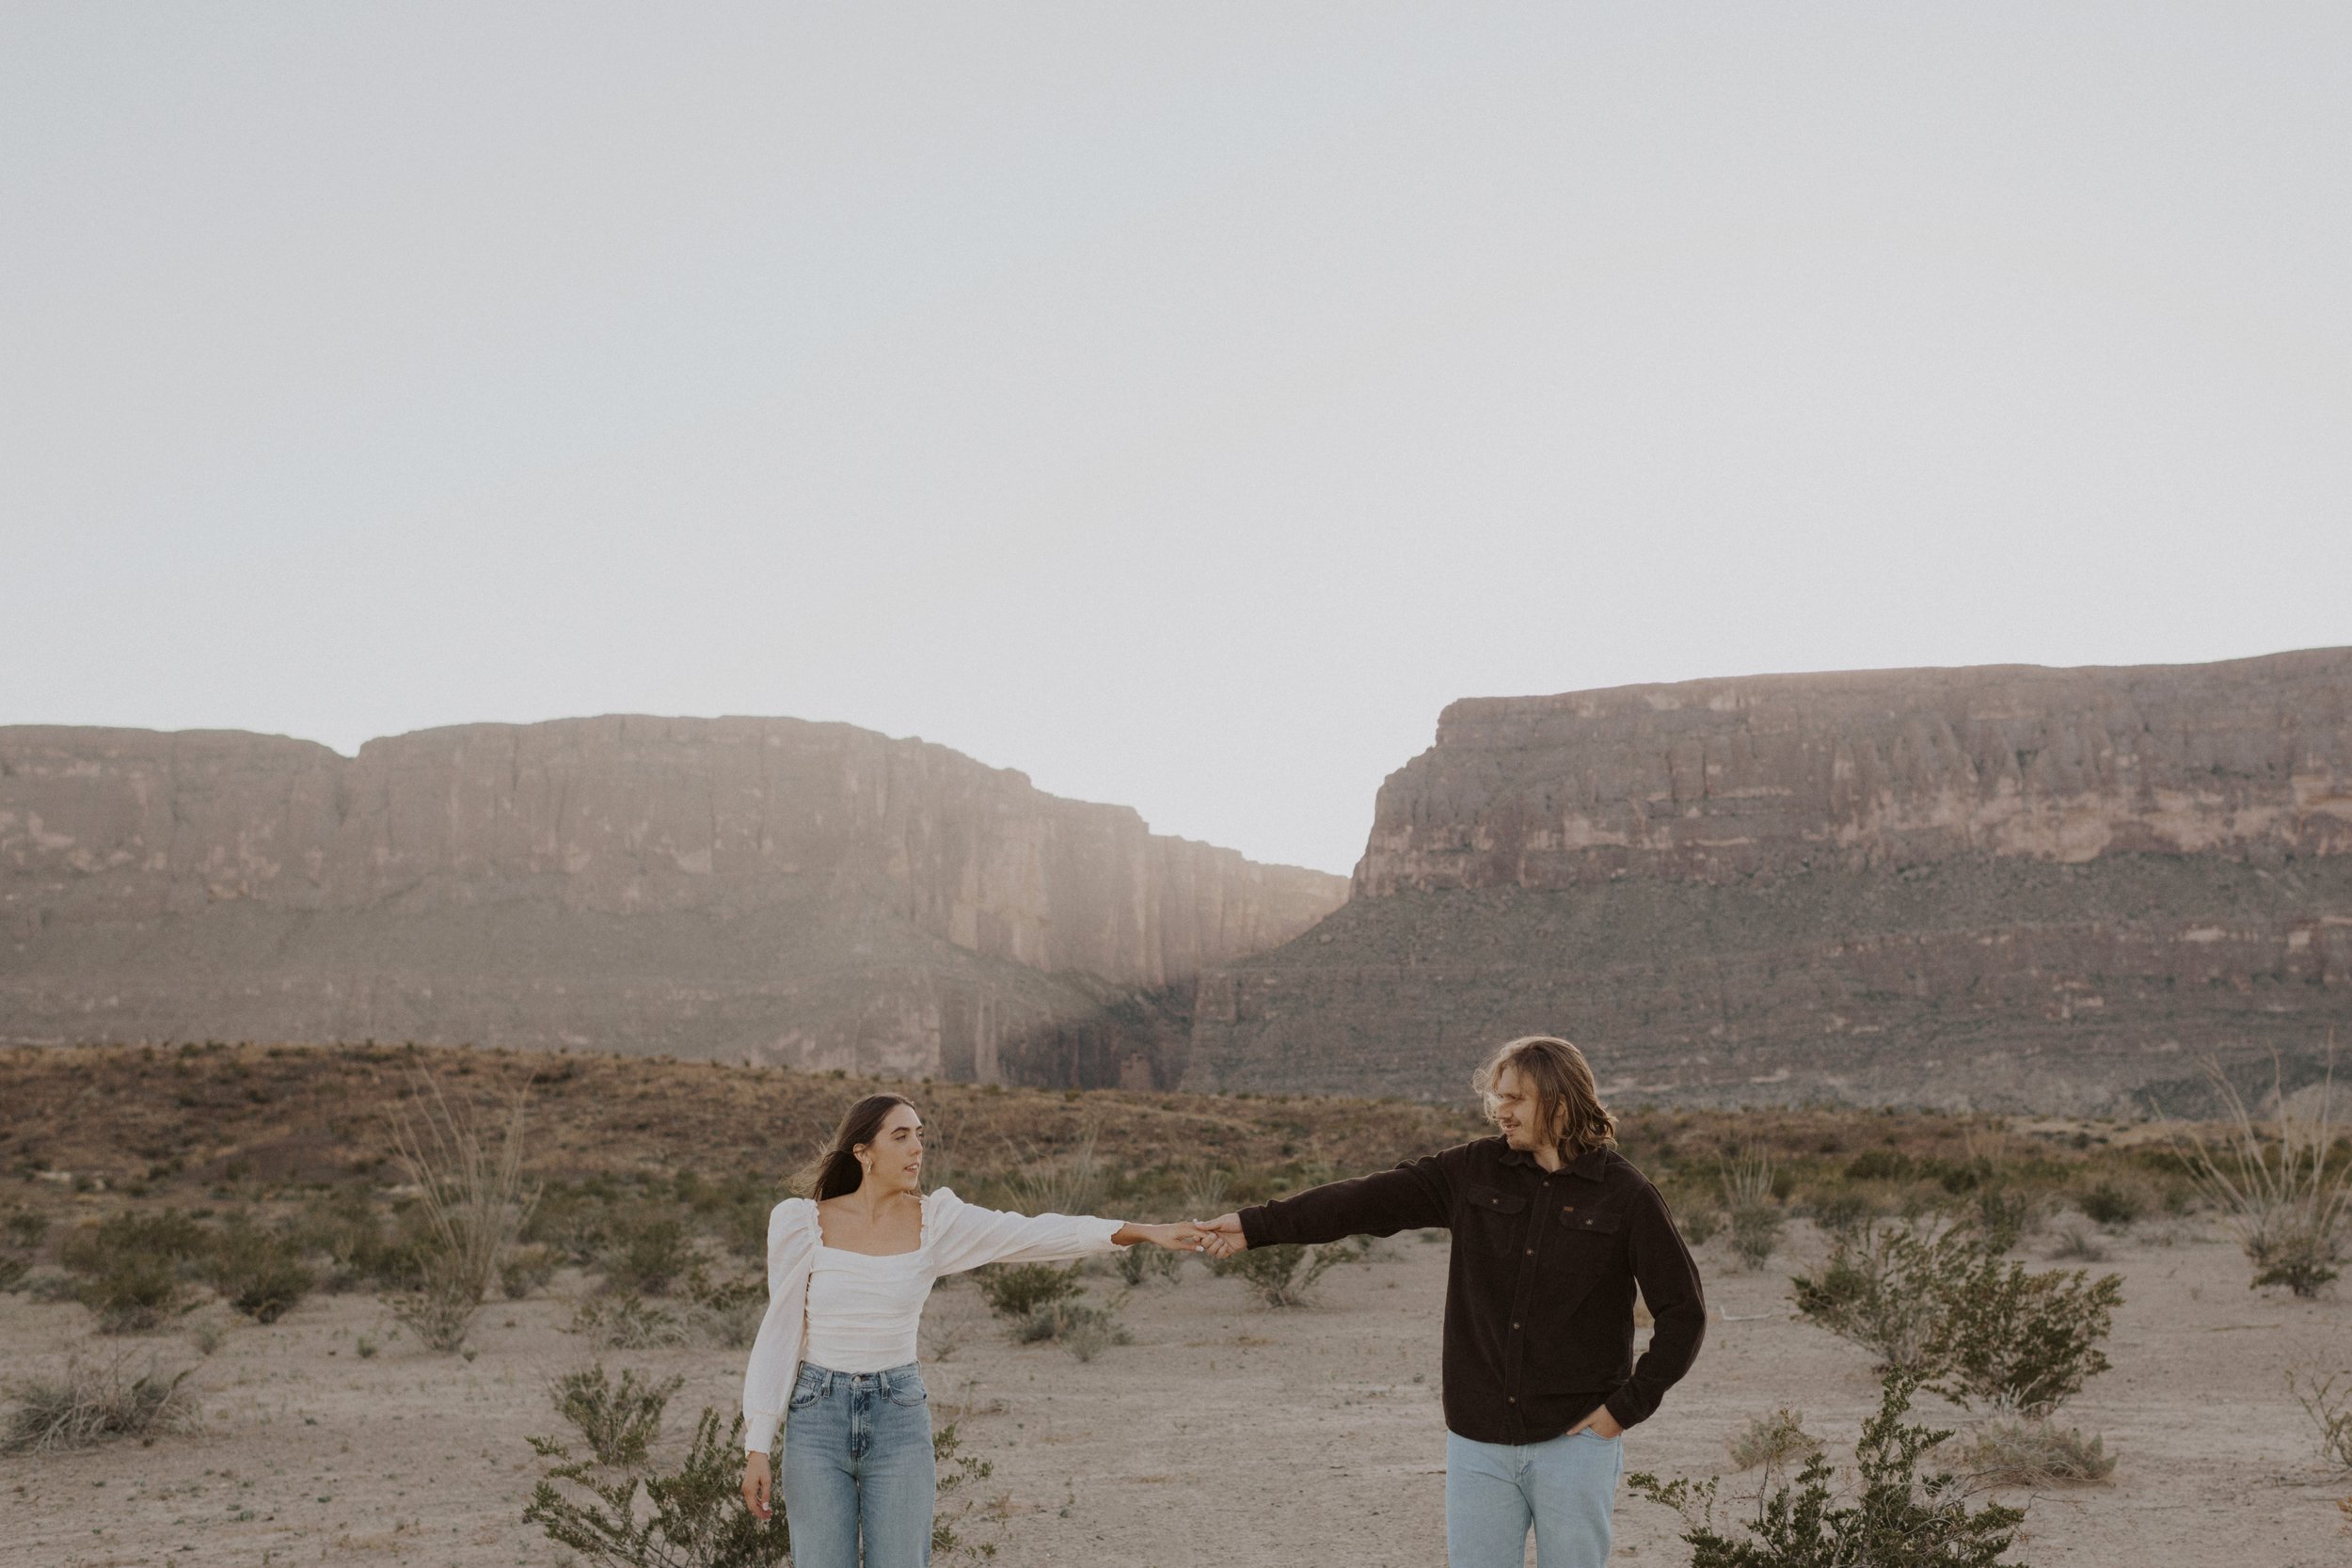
1772	1440
364	1348
1842	1210
618	1424
1698	1222
1285	1274
261	1273
1080	1327
960	1476
647	1251
2004	1214
85	1405
1895	1515
2110	1206
627	1323
2036	1453
527	1270
2330	1411
689	1517
1141	1262
1882	1288
132	1294
1755	1234
1018	1290
25	1228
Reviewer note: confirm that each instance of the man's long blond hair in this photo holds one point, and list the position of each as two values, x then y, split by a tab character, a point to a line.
1567	1101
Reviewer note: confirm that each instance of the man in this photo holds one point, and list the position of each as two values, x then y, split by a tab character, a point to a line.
1552	1231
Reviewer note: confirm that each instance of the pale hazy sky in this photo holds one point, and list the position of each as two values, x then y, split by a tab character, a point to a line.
1179	403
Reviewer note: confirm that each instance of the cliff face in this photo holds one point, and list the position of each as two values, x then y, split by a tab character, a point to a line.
698	886
2045	888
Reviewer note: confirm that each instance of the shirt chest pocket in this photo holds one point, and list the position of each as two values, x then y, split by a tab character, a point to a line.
1496	1215
1589	1237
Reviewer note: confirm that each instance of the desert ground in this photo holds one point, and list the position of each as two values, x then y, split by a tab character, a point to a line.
1225	1434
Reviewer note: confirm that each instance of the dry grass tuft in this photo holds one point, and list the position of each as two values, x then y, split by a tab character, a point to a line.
1773	1441
2035	1453
88	1405
473	1200
2274	1184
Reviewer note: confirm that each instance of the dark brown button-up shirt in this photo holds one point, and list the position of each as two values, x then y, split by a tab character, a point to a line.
1540	1295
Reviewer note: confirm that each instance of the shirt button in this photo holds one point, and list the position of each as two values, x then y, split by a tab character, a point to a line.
1515	1325
1511	1399
1531	1252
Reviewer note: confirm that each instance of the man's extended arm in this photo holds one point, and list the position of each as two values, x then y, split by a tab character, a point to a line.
1670	1284
1418	1193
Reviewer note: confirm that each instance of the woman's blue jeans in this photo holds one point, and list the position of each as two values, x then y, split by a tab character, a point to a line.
857	1463
1563	1489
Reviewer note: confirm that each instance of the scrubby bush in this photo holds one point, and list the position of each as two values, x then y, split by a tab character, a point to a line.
1894	1516
2022	1341
2330	1411
2110	1205
87	1404
473	1202
2035	1453
627	1321
1141	1262
1018	1290
2077	1245
689	1517
131	1294
1755	1234
1698	1224
1881	1165
1945	1309
1080	1327
1772	1440
2004	1214
1283	1275
527	1269
647	1249
23	1228
261	1273
618	1424
1842	1211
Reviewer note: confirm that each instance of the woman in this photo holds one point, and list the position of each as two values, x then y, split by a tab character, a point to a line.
848	1272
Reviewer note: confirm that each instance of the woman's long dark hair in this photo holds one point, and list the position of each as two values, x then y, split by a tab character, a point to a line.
837	1171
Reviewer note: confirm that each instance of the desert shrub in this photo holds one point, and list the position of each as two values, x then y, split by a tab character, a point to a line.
1698	1224
959	1476
1842	1211
1881	1165
527	1269
1894	1516
1772	1440
1283	1275
87	1404
2004	1214
160	1235
2330	1411
689	1517
1881	1287
1201	1189
575	1219
728	1314
618	1424
1946	1309
2281	1188
261	1273
1018	1290
626	1321
2110	1206
13	1270
131	1294
25	1228
1080	1327
1141	1261
1755	1234
2035	1453
472	1201
2022	1341
647	1249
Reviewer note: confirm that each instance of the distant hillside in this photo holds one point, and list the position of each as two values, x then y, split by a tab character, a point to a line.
2007	887
749	889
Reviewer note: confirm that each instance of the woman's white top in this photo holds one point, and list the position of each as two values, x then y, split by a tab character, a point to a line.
856	1312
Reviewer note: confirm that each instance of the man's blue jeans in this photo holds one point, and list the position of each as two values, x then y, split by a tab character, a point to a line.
1565	1489
857	1462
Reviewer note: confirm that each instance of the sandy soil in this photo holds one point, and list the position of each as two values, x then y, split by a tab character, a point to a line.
1225	1434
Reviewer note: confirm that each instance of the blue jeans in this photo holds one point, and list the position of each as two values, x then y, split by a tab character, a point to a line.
857	1462
1565	1489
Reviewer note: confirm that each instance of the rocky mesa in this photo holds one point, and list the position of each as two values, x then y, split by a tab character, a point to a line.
763	889
1998	887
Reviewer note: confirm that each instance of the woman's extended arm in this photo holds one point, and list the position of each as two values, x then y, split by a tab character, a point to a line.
776	1358
964	1236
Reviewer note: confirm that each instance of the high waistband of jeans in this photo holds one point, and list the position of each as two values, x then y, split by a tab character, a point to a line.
827	1377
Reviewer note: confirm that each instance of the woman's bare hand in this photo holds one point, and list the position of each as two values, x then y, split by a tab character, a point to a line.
755	1485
